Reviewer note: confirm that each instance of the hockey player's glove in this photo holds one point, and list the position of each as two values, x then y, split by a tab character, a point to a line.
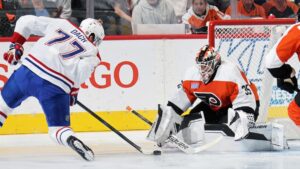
240	122
286	79
14	54
73	96
290	84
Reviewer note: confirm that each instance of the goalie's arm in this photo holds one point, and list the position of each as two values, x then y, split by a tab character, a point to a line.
242	115
243	96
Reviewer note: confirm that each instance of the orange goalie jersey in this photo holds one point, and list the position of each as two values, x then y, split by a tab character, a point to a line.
229	88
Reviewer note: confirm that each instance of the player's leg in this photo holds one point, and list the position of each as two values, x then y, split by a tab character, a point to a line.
55	104
294	110
4	108
12	94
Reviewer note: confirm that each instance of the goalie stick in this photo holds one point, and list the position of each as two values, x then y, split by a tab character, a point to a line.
175	141
115	130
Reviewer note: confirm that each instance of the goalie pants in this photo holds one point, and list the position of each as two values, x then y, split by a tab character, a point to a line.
294	109
23	83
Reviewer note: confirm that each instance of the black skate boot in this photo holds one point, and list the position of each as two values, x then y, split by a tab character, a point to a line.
83	150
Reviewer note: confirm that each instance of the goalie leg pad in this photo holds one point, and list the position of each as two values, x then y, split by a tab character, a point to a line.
240	122
294	112
60	134
278	139
164	125
273	132
192	128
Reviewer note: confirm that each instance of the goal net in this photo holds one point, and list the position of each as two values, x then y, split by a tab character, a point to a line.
247	42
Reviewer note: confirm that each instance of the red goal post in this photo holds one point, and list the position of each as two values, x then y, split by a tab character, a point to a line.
247	42
213	25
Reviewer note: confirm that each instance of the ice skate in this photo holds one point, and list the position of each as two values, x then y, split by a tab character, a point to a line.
83	150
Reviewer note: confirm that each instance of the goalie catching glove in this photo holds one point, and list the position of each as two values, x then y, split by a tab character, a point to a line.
240	122
164	125
14	54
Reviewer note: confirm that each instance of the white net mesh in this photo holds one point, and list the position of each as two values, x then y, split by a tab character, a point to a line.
247	43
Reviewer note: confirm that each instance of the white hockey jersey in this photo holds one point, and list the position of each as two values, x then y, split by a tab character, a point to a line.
63	55
229	87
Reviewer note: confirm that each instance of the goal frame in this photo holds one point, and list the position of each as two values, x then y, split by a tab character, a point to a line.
213	24
291	130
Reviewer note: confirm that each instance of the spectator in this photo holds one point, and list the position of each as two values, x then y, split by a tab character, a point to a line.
6	28
200	13
116	15
280	8
64	9
39	8
9	4
260	2
153	12
25	4
123	8
180	8
131	5
249	9
297	2
8	19
222	5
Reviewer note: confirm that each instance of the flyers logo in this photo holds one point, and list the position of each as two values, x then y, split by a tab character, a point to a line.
209	98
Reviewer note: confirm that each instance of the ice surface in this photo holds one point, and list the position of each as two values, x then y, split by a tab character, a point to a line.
38	151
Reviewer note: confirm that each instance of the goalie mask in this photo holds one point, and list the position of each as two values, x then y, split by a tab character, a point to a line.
208	61
94	28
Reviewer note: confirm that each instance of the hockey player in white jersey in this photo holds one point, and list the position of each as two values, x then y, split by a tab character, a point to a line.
62	59
228	100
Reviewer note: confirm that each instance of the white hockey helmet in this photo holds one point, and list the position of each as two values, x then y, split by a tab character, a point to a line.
93	27
208	61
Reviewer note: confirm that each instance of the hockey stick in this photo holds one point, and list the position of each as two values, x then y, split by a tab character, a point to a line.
172	139
139	115
115	130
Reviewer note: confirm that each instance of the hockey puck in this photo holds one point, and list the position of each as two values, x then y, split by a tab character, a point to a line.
156	152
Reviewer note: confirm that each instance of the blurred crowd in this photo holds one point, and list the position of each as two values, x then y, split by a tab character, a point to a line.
121	16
